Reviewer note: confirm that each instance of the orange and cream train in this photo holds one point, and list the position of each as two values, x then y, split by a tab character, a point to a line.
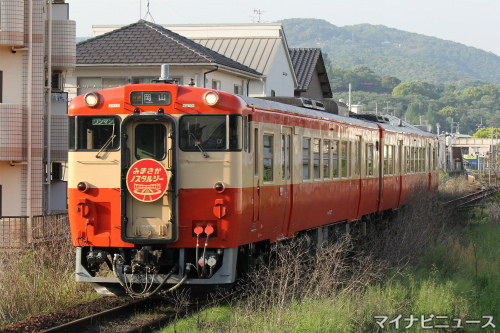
173	185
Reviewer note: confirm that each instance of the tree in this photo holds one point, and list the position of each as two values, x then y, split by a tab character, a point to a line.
448	111
414	88
390	82
485	133
473	93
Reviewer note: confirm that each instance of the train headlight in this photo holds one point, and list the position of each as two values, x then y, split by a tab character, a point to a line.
219	187
91	99
82	186
211	98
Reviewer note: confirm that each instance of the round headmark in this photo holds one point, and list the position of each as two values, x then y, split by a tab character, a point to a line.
147	180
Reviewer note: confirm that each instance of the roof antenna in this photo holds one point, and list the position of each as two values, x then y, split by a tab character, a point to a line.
149	13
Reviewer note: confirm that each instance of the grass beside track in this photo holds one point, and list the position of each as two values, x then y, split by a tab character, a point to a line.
39	280
454	278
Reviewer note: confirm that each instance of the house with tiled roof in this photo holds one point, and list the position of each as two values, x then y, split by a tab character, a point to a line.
261	47
311	73
134	54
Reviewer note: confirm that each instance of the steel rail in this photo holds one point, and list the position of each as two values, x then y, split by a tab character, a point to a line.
70	326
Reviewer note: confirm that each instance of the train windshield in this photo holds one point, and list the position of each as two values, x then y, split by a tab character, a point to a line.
94	133
210	133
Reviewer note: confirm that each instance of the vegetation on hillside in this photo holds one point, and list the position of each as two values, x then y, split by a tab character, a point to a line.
387	51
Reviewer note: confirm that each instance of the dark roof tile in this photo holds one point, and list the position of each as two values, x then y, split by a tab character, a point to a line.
146	42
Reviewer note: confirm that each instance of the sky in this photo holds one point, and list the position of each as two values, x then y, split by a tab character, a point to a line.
471	22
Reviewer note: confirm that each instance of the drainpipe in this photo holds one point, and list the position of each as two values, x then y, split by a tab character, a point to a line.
205	76
49	108
29	100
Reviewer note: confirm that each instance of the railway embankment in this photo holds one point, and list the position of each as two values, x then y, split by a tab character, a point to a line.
431	267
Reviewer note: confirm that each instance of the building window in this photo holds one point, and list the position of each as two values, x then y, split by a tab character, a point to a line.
88	84
1	85
268	158
273	93
306	149
216	85
238	89
137	80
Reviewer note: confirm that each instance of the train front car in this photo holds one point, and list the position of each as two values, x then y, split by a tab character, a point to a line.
151	194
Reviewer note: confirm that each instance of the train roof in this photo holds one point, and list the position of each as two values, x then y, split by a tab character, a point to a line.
392	123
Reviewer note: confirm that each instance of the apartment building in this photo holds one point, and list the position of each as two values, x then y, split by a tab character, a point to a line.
37	52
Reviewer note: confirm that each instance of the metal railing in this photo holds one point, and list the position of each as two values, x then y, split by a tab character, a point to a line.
14	229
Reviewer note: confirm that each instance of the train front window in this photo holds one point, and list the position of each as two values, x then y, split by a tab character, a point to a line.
210	133
94	133
150	141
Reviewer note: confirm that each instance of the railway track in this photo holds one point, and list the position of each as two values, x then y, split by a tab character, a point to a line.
147	315
471	200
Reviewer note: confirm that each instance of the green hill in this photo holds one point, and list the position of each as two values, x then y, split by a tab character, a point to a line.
387	51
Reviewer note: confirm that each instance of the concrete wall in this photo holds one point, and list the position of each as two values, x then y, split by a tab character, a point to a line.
12	196
12	67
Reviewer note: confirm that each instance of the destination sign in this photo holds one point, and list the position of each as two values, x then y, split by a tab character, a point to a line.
150	98
103	121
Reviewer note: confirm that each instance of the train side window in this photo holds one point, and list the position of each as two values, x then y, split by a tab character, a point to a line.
306	149
357	146
386	160
335	159
245	133
268	158
283	156
369	159
316	159
71	133
343	156
349	157
150	141
391	159
256	152
326	158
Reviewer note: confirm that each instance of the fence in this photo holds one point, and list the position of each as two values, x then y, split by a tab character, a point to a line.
14	229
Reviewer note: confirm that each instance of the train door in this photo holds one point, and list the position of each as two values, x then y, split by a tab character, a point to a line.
286	176
149	190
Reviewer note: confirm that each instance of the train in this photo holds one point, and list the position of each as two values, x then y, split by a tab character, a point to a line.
174	185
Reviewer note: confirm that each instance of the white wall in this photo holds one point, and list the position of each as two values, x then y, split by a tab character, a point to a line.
227	79
280	77
10	179
12	67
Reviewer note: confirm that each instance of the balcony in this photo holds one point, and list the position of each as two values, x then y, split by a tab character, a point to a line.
63	44
11	132
12	22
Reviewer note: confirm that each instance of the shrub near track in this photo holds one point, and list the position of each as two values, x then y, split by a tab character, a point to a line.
428	261
38	280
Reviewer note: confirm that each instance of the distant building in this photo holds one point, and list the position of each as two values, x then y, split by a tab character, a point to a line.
311	73
247	59
37	51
